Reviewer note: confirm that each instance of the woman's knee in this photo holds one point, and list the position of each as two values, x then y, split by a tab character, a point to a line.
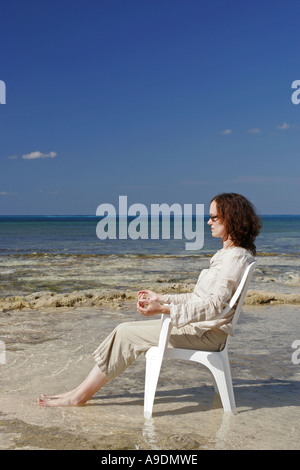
124	330
123	327
138	332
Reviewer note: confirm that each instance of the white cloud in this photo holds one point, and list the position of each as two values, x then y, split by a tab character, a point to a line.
48	192
255	130
12	157
37	154
283	127
226	132
6	193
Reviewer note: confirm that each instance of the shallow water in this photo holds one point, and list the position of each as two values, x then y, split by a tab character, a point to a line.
50	351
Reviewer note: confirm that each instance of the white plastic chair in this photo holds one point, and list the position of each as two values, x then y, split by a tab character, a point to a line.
216	362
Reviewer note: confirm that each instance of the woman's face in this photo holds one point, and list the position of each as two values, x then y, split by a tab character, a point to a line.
218	229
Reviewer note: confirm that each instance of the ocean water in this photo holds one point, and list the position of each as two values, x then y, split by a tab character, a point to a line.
43	260
63	254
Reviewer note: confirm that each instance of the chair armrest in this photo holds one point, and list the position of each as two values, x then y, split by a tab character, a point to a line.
165	331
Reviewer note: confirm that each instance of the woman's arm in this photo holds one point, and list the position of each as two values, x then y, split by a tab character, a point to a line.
210	299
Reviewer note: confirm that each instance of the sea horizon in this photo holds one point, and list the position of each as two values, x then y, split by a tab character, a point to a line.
129	216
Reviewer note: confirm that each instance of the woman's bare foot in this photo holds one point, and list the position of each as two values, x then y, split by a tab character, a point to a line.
60	395
80	395
60	401
52	397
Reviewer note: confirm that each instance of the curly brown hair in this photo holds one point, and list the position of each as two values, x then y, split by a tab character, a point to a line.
240	219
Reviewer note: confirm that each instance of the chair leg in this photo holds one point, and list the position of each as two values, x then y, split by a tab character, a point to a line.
151	379
226	392
222	377
154	358
215	385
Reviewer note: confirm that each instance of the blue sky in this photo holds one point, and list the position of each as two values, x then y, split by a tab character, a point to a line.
161	100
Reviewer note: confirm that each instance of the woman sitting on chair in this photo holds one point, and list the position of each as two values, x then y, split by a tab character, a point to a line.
193	315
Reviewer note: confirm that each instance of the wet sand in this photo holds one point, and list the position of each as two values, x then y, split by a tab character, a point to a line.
49	350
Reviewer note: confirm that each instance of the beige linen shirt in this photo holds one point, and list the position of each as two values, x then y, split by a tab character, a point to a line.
212	293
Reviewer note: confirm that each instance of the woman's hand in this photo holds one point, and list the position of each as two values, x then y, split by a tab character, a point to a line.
143	294
149	303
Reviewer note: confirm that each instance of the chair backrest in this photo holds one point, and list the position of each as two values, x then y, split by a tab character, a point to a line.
239	295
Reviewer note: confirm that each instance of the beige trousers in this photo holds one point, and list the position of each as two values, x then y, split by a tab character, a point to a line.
130	339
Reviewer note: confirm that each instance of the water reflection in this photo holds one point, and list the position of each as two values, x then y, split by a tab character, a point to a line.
149	434
222	432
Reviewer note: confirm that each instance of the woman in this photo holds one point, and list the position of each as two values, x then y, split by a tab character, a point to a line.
193	315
